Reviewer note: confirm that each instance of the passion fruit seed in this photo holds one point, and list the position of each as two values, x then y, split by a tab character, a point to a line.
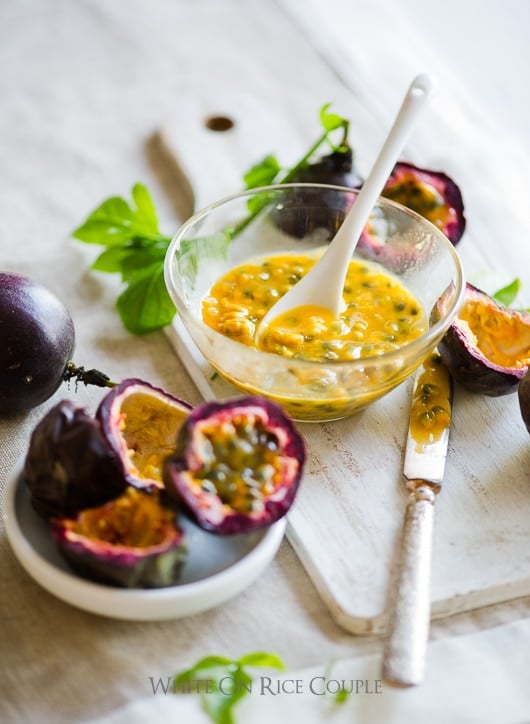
237	465
241	465
432	194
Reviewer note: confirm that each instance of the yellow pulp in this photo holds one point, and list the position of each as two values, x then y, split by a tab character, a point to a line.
502	338
148	428
431	407
380	315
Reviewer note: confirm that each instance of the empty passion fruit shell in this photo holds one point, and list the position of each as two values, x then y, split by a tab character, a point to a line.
237	465
487	347
140	423
69	464
132	541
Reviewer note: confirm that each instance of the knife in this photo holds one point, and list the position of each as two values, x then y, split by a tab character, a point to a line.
423	470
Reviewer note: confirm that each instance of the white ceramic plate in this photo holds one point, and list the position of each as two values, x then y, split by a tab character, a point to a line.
217	568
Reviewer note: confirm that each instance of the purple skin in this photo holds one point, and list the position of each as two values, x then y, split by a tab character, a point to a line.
469	366
69	465
155	566
524	399
303	211
108	414
443	184
37	342
207	509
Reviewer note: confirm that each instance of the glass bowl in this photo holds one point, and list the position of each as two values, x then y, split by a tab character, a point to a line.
302	218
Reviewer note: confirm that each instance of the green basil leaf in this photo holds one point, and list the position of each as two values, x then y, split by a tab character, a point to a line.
114	209
136	261
262	173
145	305
262	659
331	121
341	696
220	703
208	662
146	208
508	294
103	231
112	259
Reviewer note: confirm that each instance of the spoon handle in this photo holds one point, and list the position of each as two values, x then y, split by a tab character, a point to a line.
356	219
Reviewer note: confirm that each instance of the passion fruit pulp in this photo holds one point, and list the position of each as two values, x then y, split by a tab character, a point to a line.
237	465
141	422
432	194
132	541
487	347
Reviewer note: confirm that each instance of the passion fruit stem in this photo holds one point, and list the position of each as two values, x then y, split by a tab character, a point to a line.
87	377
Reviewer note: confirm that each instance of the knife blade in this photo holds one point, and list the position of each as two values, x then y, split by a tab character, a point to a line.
423	470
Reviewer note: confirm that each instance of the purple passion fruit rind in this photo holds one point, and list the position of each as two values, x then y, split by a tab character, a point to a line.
432	194
487	347
524	399
132	541
237	465
301	211
69	464
37	343
141	423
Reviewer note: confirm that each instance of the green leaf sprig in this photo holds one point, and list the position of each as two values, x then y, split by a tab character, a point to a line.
135	248
508	294
226	681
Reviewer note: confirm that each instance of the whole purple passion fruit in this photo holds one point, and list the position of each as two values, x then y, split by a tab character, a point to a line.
132	541
432	194
303	211
140	423
69	464
237	465
524	399
37	341
487	347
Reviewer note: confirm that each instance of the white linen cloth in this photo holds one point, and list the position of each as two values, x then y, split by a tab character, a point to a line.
481	678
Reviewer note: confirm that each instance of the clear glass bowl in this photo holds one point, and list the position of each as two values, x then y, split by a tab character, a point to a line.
302	218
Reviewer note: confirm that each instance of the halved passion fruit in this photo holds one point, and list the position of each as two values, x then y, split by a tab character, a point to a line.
237	465
69	464
487	347
141	423
432	194
133	541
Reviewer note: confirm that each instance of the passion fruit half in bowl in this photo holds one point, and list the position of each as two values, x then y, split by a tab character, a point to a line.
229	263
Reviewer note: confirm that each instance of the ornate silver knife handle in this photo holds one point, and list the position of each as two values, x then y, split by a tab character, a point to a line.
408	625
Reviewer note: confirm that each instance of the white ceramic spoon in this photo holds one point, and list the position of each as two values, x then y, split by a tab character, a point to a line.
323	284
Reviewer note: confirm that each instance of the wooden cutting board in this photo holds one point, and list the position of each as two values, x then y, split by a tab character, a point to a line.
346	523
